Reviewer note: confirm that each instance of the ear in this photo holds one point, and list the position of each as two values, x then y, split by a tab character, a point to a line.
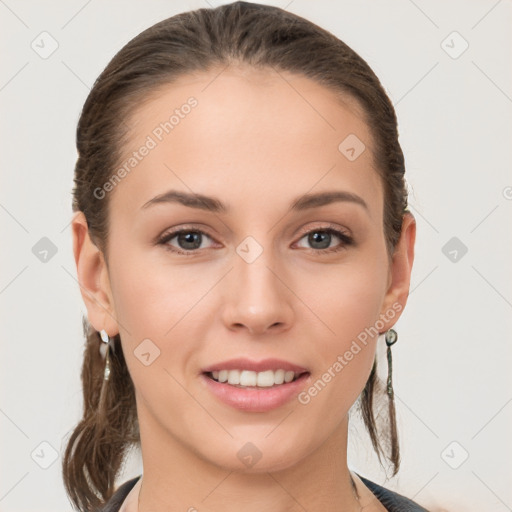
400	273
93	278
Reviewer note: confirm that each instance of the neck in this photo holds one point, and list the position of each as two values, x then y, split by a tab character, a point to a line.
175	477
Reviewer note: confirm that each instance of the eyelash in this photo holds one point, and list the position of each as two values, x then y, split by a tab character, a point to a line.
345	239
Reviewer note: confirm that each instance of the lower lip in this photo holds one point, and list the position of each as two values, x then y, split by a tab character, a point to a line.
256	399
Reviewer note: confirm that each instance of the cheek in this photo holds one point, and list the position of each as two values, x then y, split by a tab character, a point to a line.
351	300
150	300
152	307
350	307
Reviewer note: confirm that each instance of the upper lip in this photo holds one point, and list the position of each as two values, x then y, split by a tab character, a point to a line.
242	363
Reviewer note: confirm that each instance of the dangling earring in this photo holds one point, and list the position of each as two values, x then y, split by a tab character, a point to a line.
391	338
105	346
104	351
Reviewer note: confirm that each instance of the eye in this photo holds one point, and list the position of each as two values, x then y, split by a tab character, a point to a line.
320	239
188	240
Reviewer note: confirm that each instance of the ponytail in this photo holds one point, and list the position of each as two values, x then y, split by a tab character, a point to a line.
108	428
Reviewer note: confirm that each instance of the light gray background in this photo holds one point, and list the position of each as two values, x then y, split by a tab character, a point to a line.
452	361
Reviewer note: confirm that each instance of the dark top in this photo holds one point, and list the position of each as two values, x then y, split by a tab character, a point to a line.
392	501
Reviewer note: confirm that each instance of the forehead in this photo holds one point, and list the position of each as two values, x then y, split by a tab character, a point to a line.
242	133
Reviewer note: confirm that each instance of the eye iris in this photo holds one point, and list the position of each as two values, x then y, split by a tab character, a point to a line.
189	237
320	236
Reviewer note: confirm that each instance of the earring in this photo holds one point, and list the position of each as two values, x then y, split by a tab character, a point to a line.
391	338
104	351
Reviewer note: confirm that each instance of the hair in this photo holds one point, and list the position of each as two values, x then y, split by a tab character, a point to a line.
260	36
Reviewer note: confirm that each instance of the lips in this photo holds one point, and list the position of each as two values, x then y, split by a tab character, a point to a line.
255	366
256	399
252	397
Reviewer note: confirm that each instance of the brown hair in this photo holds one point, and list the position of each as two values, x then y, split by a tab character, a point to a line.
258	35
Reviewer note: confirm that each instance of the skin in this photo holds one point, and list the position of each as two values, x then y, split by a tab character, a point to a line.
256	144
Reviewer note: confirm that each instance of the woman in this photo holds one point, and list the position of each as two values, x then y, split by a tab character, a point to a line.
243	243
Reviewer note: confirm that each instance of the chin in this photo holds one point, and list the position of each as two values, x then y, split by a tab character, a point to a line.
259	456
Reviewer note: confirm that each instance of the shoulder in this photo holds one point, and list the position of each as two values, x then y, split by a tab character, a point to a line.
393	501
115	502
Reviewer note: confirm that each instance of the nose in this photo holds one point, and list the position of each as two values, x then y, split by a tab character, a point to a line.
258	298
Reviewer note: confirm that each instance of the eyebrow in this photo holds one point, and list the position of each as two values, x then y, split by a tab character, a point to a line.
212	204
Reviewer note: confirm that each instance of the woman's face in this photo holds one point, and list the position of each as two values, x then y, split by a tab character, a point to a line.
256	275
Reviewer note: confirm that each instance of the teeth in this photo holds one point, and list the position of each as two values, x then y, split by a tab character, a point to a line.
245	378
